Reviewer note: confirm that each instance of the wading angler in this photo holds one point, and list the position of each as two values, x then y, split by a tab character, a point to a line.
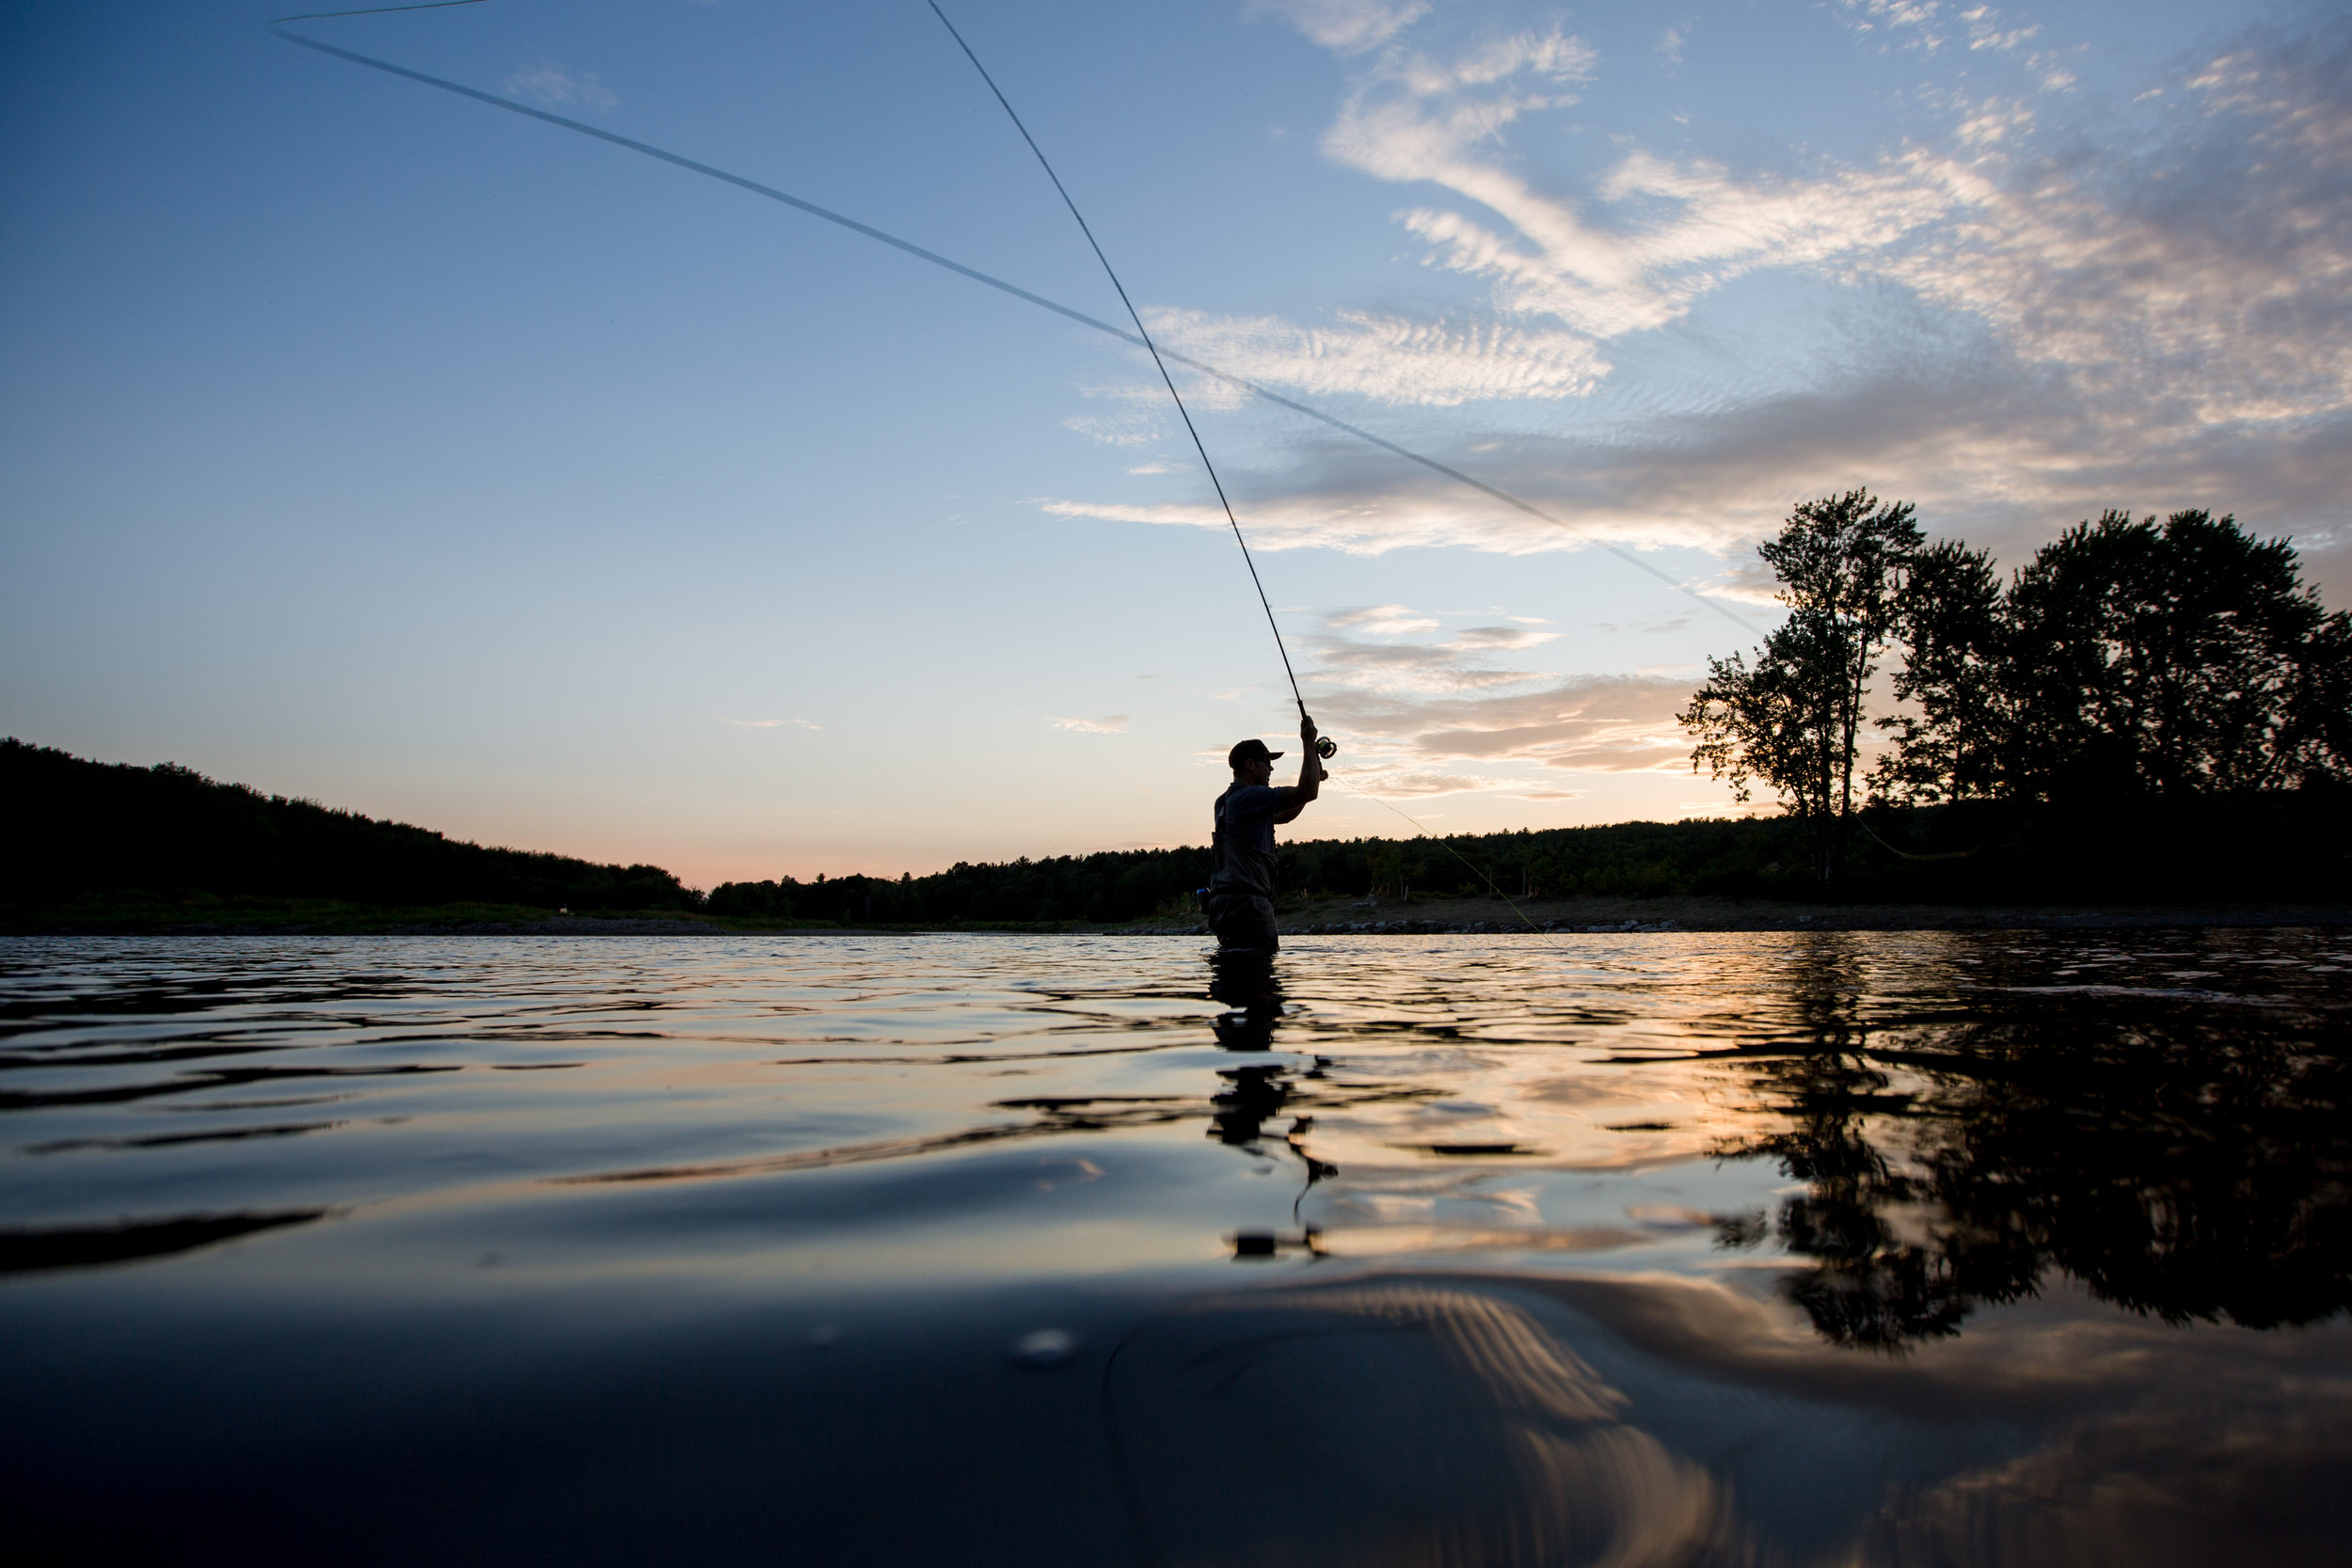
1240	901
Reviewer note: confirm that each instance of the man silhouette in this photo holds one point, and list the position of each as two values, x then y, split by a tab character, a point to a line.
1240	905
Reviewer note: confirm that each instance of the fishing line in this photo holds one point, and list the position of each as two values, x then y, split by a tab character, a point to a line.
373	11
1949	855
1145	334
911	248
1326	747
1476	869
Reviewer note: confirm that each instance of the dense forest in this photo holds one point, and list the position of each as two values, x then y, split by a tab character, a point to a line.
86	829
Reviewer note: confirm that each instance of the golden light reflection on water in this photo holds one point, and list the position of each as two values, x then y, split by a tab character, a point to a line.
1849	1102
1679	1249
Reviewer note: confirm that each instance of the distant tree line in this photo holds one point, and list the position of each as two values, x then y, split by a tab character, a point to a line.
2129	663
2287	845
80	828
1633	860
87	830
1636	859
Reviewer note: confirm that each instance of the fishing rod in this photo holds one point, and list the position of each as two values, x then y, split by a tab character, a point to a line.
976	274
1141	336
1325	746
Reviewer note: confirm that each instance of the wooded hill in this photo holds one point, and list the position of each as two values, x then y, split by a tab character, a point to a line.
159	836
87	828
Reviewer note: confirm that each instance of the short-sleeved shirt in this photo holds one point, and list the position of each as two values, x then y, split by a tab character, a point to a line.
1243	844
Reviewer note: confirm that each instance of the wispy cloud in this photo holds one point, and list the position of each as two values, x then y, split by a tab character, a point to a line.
1423	701
1633	254
1925	26
1110	723
1138	413
1671	230
1345	26
555	86
1407	658
2196	278
1479	638
1383	619
1579	724
1362	509
1915	24
1404	786
2021	319
1390	360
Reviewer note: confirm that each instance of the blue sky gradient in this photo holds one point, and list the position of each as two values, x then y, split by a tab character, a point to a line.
361	442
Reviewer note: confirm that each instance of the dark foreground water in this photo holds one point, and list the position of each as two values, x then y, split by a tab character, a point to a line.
1661	1249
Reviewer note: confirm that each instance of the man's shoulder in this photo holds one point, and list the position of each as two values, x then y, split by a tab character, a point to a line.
1255	797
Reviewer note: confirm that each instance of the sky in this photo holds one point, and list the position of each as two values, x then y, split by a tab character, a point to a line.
362	442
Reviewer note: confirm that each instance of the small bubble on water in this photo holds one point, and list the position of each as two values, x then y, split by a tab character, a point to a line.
1045	1347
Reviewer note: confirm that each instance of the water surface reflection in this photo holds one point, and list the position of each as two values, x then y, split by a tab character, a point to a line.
1658	1249
2178	1150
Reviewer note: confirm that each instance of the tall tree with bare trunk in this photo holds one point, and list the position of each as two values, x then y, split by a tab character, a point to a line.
1794	720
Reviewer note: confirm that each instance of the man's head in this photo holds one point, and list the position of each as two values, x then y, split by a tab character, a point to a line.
1252	762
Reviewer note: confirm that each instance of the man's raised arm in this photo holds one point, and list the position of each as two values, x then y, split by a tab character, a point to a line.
1310	762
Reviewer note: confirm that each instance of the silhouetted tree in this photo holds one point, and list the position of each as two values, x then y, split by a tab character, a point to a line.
2317	743
2156	659
2127	659
1794	720
1949	619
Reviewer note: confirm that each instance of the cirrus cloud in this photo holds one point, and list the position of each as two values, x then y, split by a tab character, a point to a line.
2017	321
555	86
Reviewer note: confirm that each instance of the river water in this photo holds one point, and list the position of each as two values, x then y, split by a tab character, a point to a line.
1667	1248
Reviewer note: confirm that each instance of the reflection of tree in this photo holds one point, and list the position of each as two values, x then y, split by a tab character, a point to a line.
2184	1159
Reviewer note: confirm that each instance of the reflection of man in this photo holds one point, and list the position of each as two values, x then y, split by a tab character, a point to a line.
1258	1092
1246	984
1241	890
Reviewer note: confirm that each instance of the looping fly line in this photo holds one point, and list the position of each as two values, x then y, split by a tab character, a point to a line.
1150	347
920	253
1140	337
1326	747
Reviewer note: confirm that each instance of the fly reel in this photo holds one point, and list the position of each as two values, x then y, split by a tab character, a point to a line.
1327	748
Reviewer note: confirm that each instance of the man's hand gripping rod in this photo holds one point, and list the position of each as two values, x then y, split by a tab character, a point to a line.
1323	745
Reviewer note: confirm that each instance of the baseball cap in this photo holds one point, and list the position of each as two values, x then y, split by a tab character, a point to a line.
1252	750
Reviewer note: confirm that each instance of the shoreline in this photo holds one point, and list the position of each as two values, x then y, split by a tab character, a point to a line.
1630	916
1329	917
